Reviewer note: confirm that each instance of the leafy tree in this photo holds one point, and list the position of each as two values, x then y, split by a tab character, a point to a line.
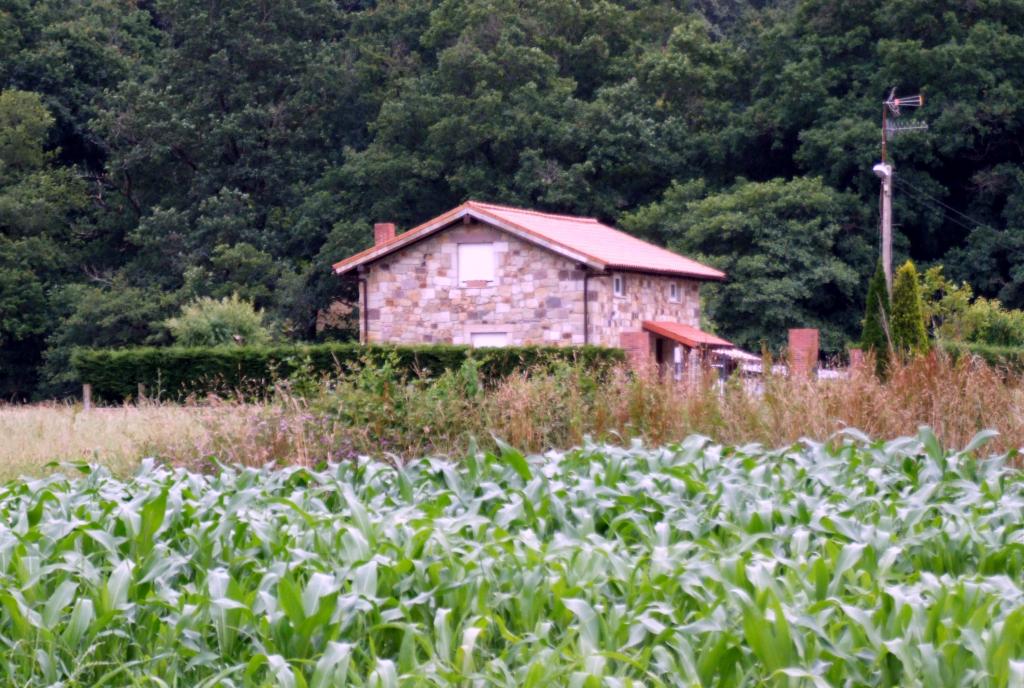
75	55
876	335
793	252
105	314
175	149
218	145
38	206
909	335
210	322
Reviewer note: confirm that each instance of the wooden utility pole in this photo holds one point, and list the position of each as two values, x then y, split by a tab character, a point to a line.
883	170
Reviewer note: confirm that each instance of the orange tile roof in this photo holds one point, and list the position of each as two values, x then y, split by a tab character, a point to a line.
580	238
686	334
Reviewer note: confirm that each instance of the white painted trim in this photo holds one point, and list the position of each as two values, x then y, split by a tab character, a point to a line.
677	298
481	328
483	335
621	294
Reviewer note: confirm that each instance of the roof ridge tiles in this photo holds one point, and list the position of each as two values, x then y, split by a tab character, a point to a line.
526	211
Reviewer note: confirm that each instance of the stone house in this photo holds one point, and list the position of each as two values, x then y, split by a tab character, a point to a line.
490	275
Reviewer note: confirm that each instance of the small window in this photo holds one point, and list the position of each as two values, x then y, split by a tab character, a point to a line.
673	292
481	339
618	285
476	264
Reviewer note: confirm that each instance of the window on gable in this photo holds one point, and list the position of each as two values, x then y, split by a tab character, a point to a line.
673	292
618	285
476	263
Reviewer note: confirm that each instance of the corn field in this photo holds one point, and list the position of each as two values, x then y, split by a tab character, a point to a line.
852	563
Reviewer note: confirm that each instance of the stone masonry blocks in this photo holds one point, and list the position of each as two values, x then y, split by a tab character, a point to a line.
536	298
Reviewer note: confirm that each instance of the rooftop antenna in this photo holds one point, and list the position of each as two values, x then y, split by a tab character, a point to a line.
891	111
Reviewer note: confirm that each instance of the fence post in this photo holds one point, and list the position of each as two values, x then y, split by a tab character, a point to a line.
86	396
142	393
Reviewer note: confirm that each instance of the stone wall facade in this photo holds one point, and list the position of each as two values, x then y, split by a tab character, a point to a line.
647	297
413	296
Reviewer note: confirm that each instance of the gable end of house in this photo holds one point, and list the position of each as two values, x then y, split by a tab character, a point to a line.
583	240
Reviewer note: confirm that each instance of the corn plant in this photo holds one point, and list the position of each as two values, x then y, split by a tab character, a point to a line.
849	563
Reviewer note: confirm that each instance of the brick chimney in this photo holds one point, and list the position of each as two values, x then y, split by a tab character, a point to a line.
383	231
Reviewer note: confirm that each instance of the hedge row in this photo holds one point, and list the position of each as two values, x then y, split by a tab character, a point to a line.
1008	357
178	372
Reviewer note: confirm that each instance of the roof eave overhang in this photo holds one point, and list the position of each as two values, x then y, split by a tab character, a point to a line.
721	277
401	241
451	217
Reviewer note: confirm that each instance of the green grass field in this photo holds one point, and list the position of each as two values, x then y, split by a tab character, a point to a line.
893	564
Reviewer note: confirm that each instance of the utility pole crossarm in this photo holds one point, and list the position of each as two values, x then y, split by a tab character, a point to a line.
883	170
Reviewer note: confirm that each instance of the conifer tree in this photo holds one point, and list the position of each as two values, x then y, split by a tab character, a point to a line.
909	335
874	336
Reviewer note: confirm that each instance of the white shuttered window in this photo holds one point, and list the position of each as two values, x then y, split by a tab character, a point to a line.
476	262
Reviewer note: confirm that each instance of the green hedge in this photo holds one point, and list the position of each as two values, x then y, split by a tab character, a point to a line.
1008	357
178	372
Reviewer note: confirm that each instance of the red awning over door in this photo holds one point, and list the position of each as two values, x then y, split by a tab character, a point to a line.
687	335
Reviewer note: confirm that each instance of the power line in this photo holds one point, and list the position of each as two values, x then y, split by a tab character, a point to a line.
910	187
922	200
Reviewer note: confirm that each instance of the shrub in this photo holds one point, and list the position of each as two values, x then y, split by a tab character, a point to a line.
908	331
178	372
956	315
212	322
1009	359
383	412
875	336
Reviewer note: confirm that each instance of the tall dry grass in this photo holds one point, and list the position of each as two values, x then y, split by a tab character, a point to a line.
380	415
31	437
956	398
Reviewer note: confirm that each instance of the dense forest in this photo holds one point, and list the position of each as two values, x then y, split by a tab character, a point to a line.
156	151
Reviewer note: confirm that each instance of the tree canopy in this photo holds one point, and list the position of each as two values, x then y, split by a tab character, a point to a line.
155	152
791	249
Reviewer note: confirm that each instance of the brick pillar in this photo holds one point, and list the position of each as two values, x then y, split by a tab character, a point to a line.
638	348
803	351
383	231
